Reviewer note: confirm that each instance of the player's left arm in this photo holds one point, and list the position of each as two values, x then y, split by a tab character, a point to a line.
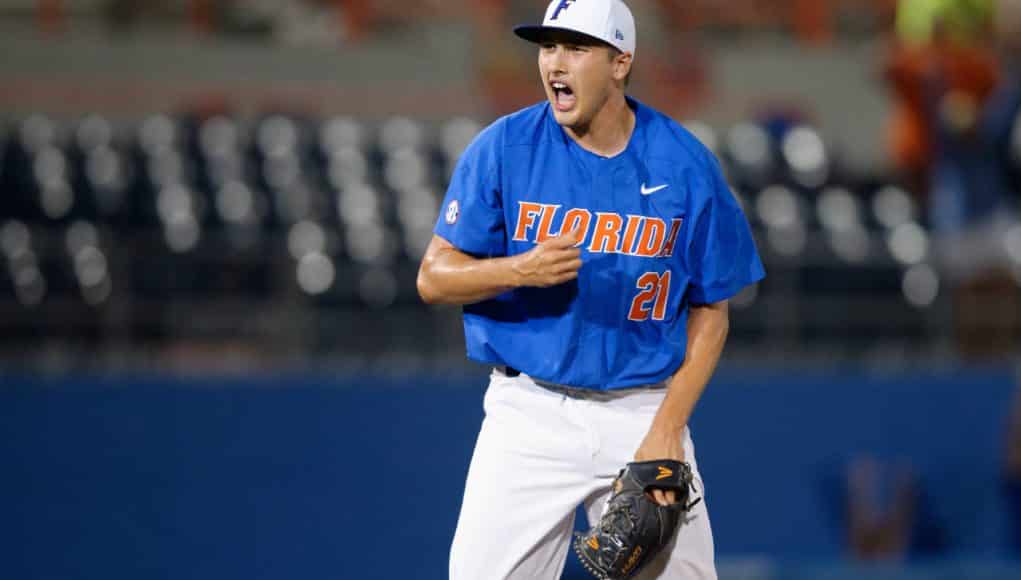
708	325
722	259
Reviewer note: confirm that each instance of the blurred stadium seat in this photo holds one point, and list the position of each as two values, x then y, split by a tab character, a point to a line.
339	209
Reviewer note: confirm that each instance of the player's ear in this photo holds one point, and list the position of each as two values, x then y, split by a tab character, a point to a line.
621	66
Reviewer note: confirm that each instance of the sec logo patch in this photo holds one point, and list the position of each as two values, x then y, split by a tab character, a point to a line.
453	210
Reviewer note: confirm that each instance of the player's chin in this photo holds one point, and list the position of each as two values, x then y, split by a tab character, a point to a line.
567	118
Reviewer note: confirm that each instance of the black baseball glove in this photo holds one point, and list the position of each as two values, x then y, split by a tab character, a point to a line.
634	528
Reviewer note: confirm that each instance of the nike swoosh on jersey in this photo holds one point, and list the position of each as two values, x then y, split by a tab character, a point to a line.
649	190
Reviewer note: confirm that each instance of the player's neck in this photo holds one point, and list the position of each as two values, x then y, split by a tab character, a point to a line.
609	131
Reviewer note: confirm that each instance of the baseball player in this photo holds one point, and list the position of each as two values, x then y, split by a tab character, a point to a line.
593	244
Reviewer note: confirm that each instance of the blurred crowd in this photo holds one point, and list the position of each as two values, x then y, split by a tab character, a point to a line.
954	71
898	253
955	136
954	74
810	21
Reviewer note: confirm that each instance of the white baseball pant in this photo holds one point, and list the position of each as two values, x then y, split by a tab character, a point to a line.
541	453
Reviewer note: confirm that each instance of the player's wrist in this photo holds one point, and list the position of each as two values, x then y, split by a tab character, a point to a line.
516	276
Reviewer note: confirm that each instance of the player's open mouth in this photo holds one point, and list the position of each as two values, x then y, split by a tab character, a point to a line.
563	96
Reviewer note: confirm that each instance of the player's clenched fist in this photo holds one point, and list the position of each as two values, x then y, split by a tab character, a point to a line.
551	262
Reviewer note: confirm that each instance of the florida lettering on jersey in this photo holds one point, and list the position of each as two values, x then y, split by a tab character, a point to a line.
605	232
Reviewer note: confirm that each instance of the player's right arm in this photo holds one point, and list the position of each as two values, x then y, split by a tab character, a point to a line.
450	276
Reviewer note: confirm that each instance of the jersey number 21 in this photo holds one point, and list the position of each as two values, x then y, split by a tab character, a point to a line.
653	288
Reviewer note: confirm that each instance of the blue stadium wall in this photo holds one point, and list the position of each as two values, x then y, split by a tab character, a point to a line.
304	477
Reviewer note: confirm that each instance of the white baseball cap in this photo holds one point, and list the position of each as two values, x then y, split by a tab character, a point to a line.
607	20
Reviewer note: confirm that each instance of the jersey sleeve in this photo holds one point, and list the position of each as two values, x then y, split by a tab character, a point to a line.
471	217
721	253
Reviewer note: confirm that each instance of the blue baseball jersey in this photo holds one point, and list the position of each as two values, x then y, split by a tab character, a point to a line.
662	231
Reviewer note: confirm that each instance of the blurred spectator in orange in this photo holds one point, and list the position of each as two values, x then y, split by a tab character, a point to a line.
950	133
974	205
1005	120
939	68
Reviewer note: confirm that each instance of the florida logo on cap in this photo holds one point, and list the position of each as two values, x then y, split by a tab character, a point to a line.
564	5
